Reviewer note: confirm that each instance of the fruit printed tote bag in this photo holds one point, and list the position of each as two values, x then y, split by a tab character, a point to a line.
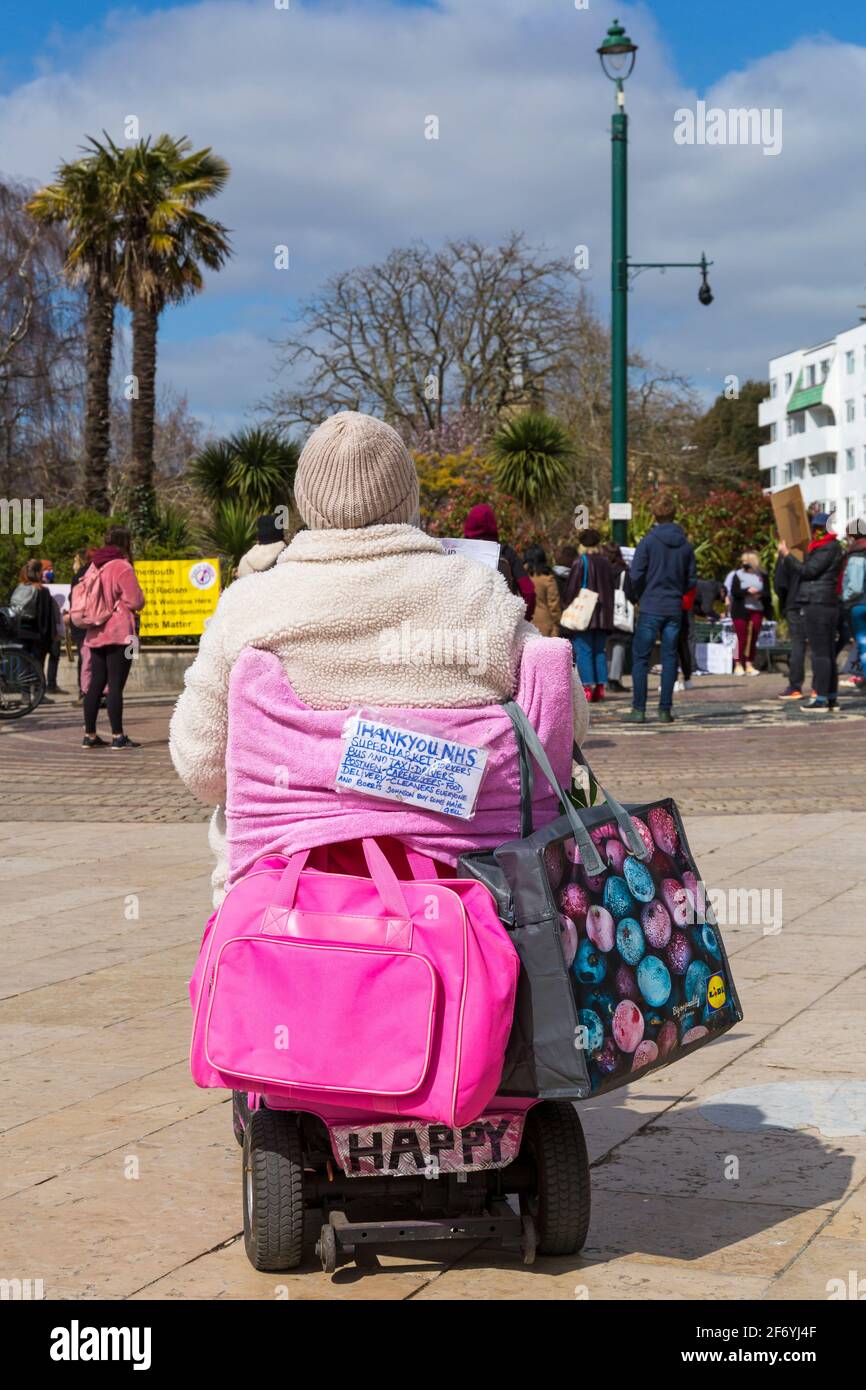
623	968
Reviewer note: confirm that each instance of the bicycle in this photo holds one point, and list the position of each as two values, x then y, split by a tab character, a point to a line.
22	680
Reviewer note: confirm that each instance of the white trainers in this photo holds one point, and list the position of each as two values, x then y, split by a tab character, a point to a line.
738	670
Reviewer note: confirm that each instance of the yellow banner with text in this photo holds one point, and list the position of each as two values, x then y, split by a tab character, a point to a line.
181	595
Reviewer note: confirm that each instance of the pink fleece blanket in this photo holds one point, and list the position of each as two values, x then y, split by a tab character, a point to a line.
282	758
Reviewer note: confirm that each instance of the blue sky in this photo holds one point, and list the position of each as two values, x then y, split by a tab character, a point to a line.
320	113
707	37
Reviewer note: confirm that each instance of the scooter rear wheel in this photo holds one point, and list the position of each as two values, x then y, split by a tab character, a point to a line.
560	1204
273	1190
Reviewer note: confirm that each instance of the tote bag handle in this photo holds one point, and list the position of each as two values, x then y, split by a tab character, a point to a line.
528	743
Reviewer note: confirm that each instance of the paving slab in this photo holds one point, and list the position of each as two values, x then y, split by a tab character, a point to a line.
106	1141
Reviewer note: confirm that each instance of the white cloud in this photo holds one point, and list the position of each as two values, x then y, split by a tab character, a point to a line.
321	114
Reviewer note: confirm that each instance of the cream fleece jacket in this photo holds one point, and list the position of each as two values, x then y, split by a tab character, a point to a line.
259	558
351	614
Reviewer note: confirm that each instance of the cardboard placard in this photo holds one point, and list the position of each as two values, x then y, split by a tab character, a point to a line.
792	519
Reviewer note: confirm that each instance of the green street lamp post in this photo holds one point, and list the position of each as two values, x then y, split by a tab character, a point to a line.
617	54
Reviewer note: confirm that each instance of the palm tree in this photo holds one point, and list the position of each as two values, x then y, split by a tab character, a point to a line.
254	466
231	530
164	243
81	199
533	455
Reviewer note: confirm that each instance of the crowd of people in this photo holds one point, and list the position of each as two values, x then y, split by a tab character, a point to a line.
610	604
109	592
821	597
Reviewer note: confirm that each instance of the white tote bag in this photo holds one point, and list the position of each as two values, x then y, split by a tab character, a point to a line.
578	615
623	610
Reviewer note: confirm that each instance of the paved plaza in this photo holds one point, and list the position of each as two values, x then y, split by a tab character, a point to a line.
736	1173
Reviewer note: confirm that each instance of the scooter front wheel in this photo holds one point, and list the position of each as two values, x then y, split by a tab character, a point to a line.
273	1175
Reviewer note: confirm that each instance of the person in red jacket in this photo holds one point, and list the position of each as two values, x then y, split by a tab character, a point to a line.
481	525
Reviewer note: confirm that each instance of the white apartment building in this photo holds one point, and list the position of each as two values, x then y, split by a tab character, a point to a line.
816	411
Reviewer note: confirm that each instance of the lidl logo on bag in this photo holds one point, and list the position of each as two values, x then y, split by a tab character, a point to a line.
716	992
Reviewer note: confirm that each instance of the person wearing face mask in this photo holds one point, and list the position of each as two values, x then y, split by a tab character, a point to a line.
53	664
751	602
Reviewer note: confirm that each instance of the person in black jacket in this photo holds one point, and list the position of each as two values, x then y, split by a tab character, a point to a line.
592	570
36	613
786	582
819	584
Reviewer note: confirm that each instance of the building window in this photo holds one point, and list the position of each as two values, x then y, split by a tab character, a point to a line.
849	460
773	432
773	388
788	379
825	369
849	411
771	477
850	508
810	374
849	362
820	467
798	468
796	423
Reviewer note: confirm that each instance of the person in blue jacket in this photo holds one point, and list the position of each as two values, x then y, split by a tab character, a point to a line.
662	572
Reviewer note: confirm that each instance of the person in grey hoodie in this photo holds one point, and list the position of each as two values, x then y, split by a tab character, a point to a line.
662	572
270	544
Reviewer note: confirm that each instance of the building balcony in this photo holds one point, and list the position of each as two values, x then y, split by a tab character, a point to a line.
822	440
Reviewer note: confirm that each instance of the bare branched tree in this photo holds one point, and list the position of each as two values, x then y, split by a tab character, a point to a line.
41	370
430	333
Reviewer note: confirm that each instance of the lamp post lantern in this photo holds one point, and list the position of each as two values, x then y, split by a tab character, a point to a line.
617	54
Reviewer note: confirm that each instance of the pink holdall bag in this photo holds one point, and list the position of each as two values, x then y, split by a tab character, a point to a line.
377	994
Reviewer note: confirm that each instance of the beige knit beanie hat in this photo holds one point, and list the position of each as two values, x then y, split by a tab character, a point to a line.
355	471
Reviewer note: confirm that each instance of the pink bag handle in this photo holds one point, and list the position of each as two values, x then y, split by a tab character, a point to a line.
385	880
288	885
422	865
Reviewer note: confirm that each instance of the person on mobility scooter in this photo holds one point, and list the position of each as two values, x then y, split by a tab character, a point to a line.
353	992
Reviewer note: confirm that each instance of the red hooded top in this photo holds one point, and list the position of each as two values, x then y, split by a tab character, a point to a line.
481	525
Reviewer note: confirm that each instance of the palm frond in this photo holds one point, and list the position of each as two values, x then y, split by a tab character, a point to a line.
532	455
231	530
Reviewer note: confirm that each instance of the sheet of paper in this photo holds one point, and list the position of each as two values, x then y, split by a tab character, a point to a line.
486	552
409	765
